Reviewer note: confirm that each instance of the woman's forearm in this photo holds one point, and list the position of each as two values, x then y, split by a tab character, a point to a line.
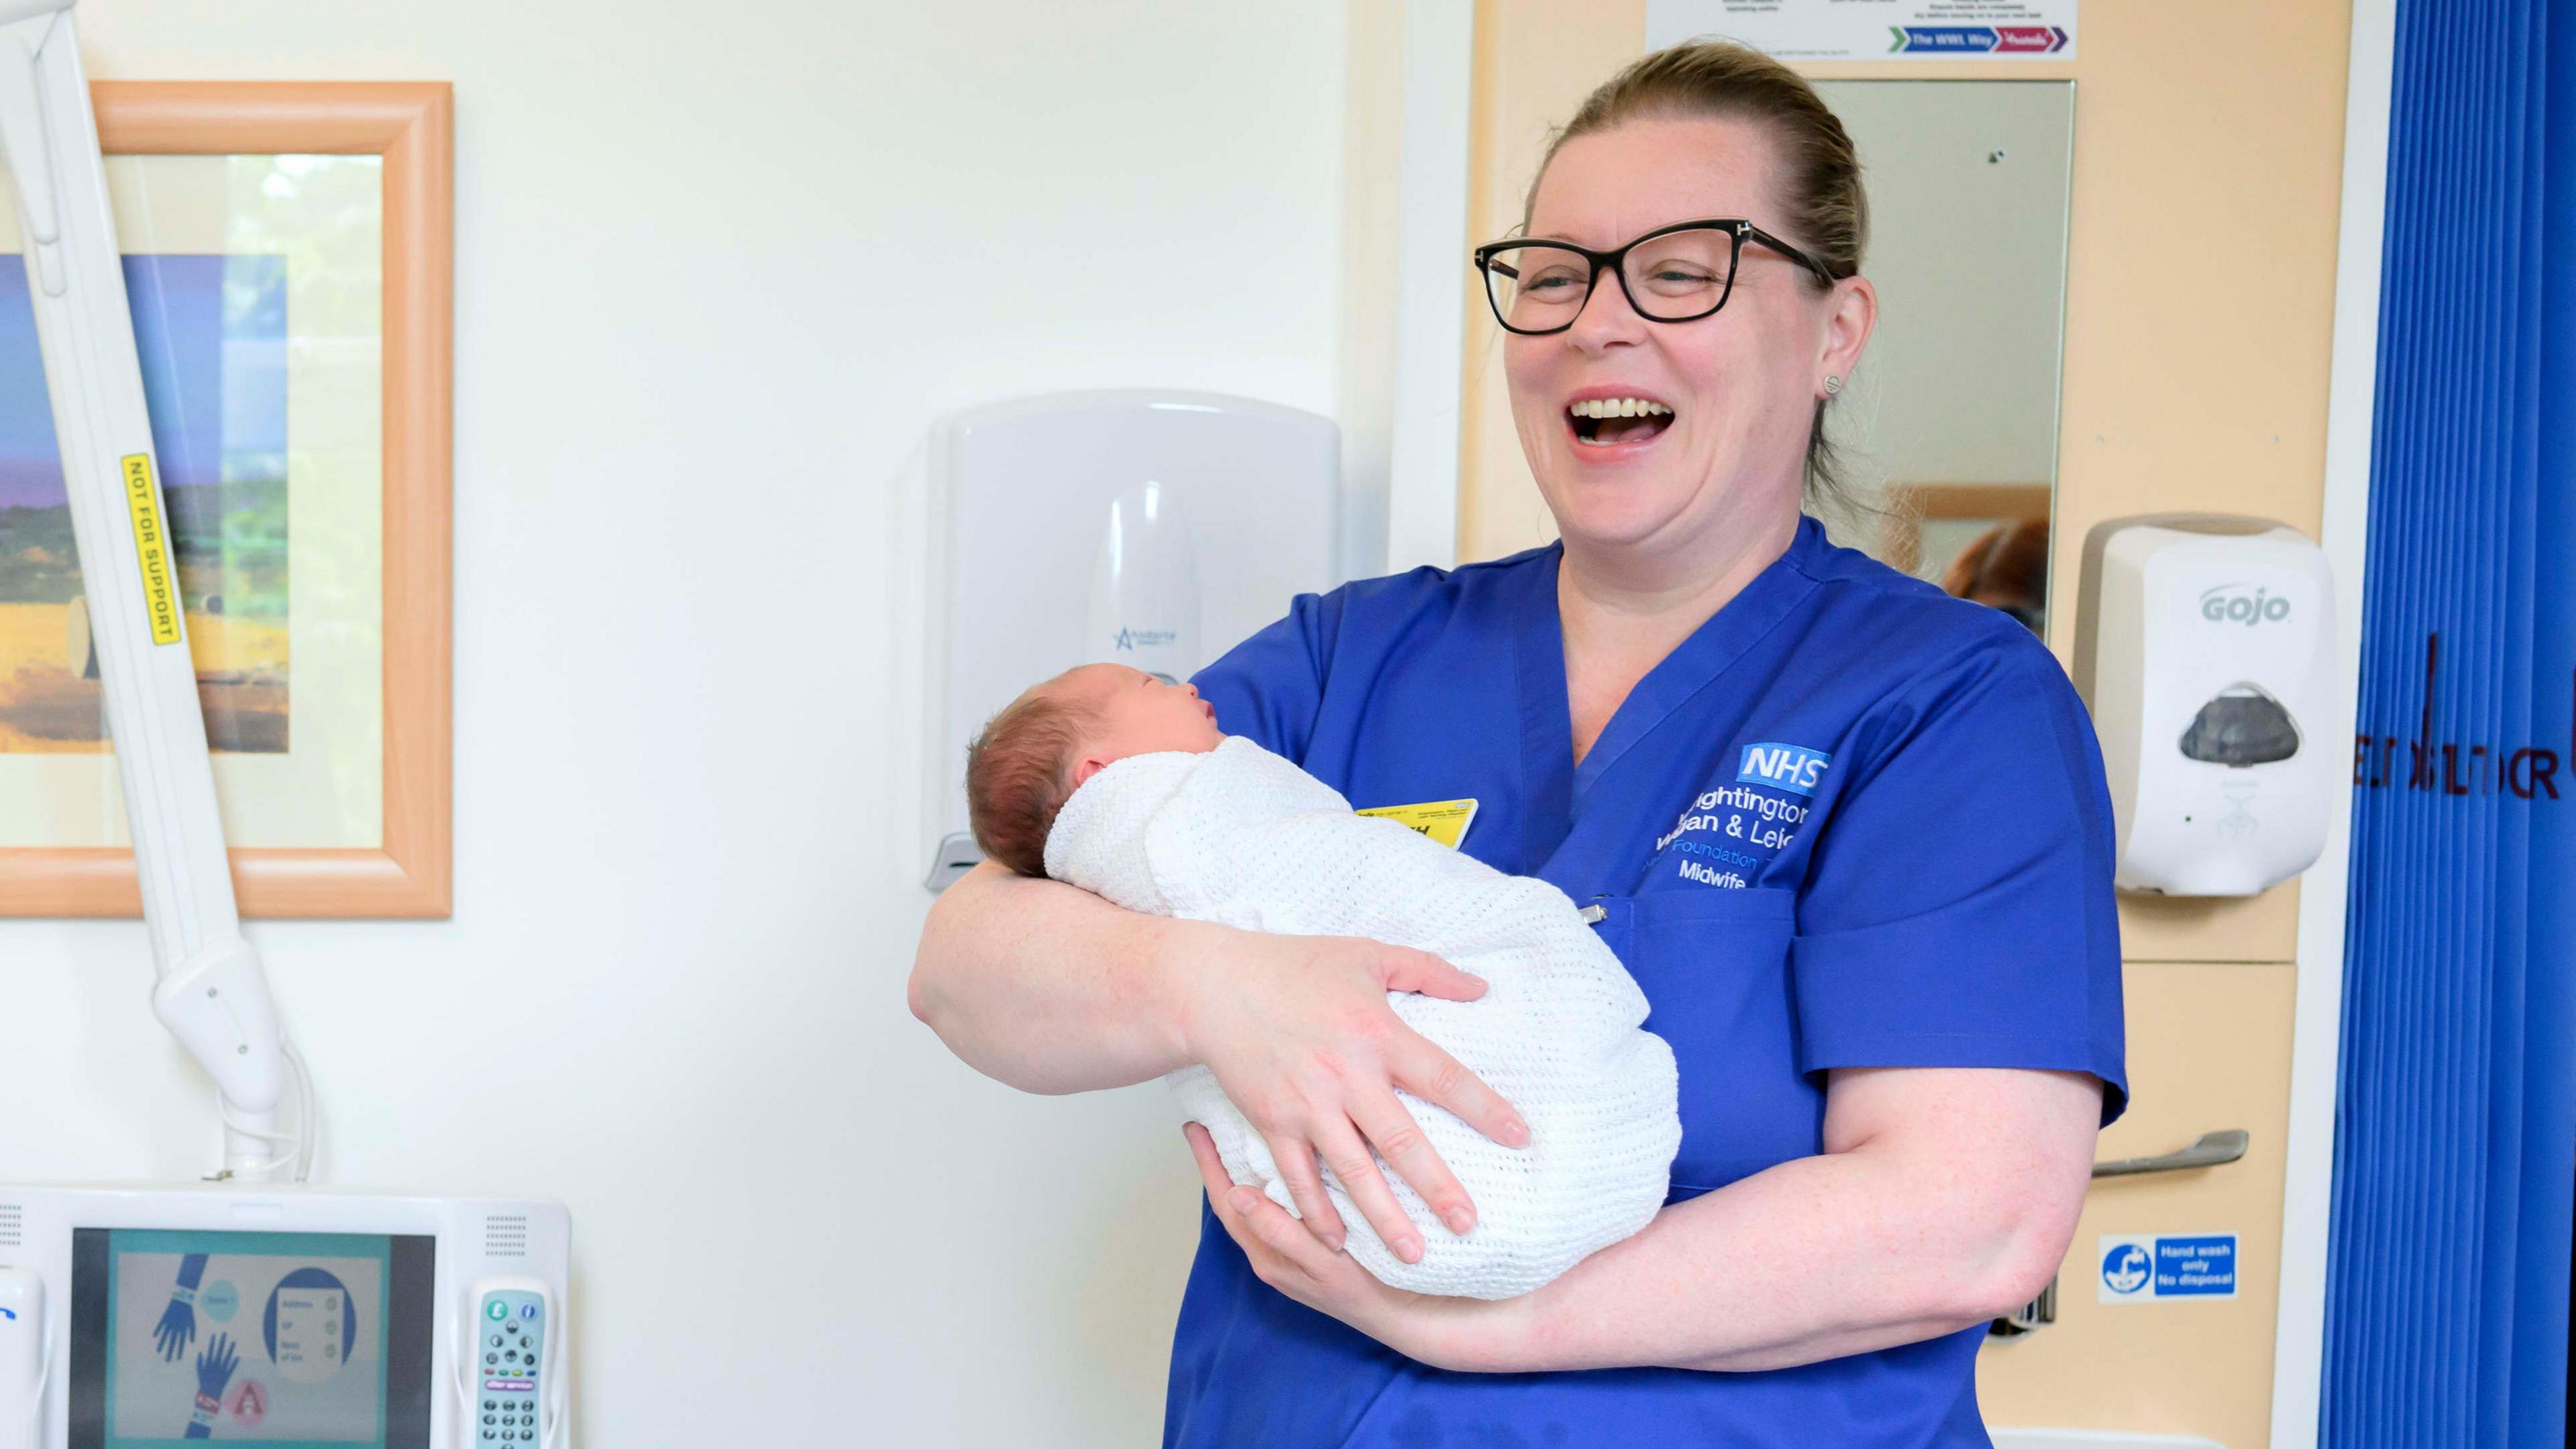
1049	988
1811	1260
1954	1211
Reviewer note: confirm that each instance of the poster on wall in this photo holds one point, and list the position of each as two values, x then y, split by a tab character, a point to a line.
286	264
253	281
1874	29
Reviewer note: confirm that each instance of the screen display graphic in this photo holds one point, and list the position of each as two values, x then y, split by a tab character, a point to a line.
281	1340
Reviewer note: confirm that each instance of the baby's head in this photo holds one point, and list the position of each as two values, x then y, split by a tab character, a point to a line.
1041	748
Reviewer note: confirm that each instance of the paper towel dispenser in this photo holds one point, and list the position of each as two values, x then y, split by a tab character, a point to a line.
1153	528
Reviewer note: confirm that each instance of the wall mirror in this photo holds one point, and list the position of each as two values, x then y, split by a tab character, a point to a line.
1949	429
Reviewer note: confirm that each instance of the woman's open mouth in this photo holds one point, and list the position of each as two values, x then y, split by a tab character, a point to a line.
1605	422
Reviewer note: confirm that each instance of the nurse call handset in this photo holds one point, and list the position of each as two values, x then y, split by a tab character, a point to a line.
512	1365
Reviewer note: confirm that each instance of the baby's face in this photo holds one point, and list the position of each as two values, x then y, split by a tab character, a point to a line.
1140	715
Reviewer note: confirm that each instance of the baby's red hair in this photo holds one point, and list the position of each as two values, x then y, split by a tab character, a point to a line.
1019	773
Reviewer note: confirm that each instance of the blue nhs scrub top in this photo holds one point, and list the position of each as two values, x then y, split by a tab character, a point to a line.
1850	822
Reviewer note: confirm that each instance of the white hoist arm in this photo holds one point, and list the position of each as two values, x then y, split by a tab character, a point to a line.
211	992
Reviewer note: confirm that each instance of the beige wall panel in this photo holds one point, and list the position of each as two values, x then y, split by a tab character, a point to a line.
1535	62
2208	1050
2212	928
2200	315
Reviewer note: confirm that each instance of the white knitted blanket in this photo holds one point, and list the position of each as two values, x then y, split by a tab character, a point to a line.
1241	836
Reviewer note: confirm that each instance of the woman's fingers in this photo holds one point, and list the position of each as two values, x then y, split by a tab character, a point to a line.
1432	1074
1404	969
1436	1077
1302	1037
1296	1162
1400	1140
1211	1165
1273	1240
1266	1222
1348	1156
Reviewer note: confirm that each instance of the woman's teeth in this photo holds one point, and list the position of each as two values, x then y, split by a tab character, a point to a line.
1618	407
1607	420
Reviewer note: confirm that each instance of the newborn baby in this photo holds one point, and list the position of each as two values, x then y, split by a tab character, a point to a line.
1115	781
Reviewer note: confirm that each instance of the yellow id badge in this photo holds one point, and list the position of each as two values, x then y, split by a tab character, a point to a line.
1445	821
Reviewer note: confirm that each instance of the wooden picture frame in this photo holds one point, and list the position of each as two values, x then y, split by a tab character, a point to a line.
409	125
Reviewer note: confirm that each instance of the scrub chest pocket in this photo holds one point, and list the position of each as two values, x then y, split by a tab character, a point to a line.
1714	964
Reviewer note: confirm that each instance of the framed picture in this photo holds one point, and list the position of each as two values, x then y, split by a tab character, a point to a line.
287	253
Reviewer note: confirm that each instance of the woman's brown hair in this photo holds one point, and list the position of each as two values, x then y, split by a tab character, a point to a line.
1823	206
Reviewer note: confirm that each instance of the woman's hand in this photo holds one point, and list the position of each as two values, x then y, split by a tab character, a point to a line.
1442	1332
1299	1034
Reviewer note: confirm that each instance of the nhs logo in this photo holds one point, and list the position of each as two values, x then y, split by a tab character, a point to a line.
1783	767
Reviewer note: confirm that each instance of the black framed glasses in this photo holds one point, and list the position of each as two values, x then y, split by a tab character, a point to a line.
1678	273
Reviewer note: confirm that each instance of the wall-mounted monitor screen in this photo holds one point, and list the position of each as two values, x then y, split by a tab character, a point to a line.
291	1340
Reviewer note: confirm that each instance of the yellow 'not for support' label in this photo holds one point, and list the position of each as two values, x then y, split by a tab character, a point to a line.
151	549
1445	821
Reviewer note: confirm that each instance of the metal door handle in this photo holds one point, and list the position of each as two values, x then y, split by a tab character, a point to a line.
2212	1150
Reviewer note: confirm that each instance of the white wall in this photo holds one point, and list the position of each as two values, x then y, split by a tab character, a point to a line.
717	269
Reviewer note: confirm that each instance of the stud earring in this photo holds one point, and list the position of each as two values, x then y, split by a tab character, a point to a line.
1833	383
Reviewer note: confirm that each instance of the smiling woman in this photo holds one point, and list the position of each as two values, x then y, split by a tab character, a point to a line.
1772	137
1737	744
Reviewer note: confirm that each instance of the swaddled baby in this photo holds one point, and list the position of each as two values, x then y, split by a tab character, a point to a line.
1110	779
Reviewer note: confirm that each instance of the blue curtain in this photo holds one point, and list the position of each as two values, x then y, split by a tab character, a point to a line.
2455	1149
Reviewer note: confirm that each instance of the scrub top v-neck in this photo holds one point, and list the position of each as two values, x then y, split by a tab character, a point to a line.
1849	822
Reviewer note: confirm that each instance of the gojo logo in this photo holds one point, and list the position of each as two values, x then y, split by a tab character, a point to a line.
2229	604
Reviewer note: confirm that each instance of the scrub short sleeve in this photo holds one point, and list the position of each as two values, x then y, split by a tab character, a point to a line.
1959	910
1269	687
